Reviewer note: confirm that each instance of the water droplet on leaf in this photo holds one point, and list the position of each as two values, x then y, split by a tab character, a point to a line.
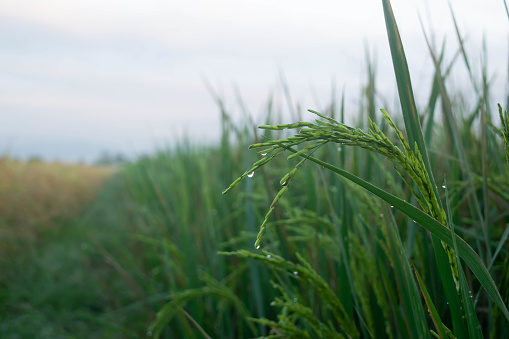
258	247
268	256
250	175
295	273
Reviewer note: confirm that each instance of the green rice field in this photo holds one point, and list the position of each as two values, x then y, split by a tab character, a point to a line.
393	227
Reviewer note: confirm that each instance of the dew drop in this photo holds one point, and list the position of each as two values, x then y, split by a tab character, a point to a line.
443	186
392	206
295	273
295	300
339	149
264	154
268	256
250	175
258	247
415	222
381	215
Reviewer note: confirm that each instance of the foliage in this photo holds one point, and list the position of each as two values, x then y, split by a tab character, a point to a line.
161	253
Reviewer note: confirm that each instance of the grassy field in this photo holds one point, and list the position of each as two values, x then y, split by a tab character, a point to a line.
35	196
38	202
394	228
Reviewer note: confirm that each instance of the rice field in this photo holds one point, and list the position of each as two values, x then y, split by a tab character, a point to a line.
35	195
38	203
394	227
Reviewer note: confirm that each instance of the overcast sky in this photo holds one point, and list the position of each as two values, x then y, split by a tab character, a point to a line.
79	77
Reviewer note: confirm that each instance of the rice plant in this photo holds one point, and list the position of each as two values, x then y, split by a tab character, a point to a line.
411	162
504	131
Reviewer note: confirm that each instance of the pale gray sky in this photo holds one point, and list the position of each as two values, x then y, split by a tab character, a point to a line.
78	77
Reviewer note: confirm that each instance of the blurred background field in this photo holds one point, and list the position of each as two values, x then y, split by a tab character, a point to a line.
38	203
36	196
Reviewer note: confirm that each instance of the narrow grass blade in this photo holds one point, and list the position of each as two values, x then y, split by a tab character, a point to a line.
409	293
474	329
501	243
435	94
506	10
504	118
415	137
406	95
463	52
431	308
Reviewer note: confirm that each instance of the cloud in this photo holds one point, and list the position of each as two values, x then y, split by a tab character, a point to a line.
196	22
130	64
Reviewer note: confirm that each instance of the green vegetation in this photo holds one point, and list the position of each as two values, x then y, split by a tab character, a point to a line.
41	289
36	196
388	229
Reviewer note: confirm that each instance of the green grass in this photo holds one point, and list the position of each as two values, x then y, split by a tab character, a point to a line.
358	237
